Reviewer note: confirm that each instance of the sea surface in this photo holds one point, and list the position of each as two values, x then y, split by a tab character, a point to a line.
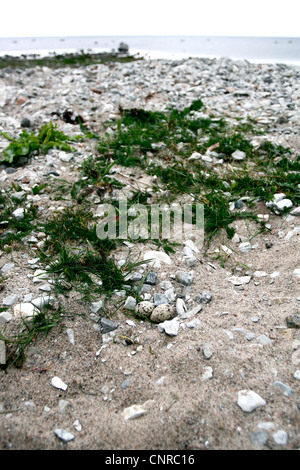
254	49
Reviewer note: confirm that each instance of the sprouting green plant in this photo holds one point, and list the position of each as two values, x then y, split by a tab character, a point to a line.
29	143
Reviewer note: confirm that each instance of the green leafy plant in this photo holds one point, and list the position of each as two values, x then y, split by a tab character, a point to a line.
29	143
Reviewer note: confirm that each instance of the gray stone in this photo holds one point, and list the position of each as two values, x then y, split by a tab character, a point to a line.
263	339
95	306
130	303
204	297
108	325
207	350
7	267
185	278
259	438
159	299
239	155
42	301
280	437
10	299
151	278
5	317
19	213
288	391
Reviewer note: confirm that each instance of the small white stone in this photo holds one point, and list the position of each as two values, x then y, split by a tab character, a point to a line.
133	412
170	327
283	204
280	437
64	435
245	247
296	211
260	274
95	306
18	213
70	333
249	400
25	309
274	274
297	374
41	301
10	299
157	257
238	281
296	272
181	308
208	374
58	383
77	425
238	155
40	275
130	303
193	323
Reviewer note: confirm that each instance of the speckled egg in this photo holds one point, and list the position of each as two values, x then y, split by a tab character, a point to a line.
162	313
145	308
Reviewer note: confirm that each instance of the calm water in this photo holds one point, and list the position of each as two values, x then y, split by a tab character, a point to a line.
255	49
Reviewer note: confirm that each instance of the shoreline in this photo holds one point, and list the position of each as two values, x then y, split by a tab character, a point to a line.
254	49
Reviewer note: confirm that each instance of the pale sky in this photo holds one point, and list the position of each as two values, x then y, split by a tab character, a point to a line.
34	18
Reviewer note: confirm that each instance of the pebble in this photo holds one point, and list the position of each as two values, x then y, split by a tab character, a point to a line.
156	258
259	438
151	278
42	301
280	437
70	333
287	390
58	383
170	327
64	435
181	308
130	303
10	300
19	213
95	306
239	280
25	310
193	323
248	400
208	374
207	350
159	299
133	412
108	325
297	374
185	278
204	297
